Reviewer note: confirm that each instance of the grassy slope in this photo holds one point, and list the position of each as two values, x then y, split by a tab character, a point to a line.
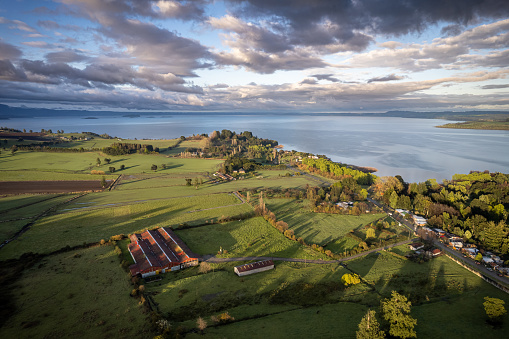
252	237
68	296
319	228
91	223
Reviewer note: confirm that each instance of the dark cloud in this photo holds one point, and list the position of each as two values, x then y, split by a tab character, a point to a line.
308	81
451	30
390	77
50	24
328	77
495	86
65	56
387	17
9	72
8	51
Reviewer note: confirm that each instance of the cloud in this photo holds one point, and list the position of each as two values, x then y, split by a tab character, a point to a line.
396	17
390	77
328	77
50	24
65	56
308	81
8	51
16	24
185	10
495	86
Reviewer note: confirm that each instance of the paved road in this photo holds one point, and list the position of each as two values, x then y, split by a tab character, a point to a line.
213	259
469	262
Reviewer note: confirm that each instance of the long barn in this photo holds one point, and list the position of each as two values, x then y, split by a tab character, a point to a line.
158	251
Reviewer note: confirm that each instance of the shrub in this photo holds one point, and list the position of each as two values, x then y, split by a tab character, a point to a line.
97	172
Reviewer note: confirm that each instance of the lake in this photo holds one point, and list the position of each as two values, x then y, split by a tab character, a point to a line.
412	148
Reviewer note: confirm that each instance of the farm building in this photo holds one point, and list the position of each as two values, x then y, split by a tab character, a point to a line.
158	251
420	221
254	267
416	246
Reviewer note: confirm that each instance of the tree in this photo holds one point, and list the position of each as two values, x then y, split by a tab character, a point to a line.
112	169
153	167
478	257
370	233
98	162
163	166
369	328
189	181
122	167
201	324
103	182
204	267
494	308
393	200
396	312
350	279
107	160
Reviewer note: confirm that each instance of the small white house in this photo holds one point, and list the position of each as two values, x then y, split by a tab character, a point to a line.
254	267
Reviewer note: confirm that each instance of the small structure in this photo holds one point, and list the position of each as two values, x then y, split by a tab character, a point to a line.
416	246
254	267
420	221
436	252
456	244
158	251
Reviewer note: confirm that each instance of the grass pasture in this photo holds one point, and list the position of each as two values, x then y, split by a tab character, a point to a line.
319	228
82	294
251	237
85	221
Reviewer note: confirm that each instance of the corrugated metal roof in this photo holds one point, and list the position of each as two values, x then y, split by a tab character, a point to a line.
254	265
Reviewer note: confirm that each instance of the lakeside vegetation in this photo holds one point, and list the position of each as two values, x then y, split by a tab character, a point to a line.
292	205
479	121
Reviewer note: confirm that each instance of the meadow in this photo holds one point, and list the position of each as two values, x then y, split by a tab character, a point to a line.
88	222
327	230
81	293
251	237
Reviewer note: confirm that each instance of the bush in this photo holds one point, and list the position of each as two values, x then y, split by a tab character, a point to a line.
97	172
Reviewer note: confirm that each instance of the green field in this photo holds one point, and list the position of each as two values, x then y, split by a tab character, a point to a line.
79	294
319	228
252	237
87	221
26	207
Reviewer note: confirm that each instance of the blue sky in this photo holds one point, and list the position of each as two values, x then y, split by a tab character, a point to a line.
255	55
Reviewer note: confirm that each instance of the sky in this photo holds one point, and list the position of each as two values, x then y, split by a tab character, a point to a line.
255	55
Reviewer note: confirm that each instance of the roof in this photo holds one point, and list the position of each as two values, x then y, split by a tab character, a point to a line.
157	249
254	266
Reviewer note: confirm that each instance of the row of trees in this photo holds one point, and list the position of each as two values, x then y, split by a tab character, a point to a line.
336	170
128	148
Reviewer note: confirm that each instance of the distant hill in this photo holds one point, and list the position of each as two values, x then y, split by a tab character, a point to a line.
7	112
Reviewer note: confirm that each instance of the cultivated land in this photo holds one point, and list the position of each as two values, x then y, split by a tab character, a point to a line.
76	287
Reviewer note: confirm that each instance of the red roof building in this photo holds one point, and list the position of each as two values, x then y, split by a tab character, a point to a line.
158	251
254	267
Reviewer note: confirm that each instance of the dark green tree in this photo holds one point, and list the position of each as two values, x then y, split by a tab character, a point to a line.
98	162
103	182
107	160
112	169
369	328
396	311
153	167
189	182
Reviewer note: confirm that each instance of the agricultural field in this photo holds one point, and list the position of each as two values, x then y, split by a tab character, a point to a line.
82	293
85	221
320	228
17	211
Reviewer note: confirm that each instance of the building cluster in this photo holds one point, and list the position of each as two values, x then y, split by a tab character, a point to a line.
417	219
224	176
158	251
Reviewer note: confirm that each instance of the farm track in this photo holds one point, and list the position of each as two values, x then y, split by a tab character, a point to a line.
213	259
